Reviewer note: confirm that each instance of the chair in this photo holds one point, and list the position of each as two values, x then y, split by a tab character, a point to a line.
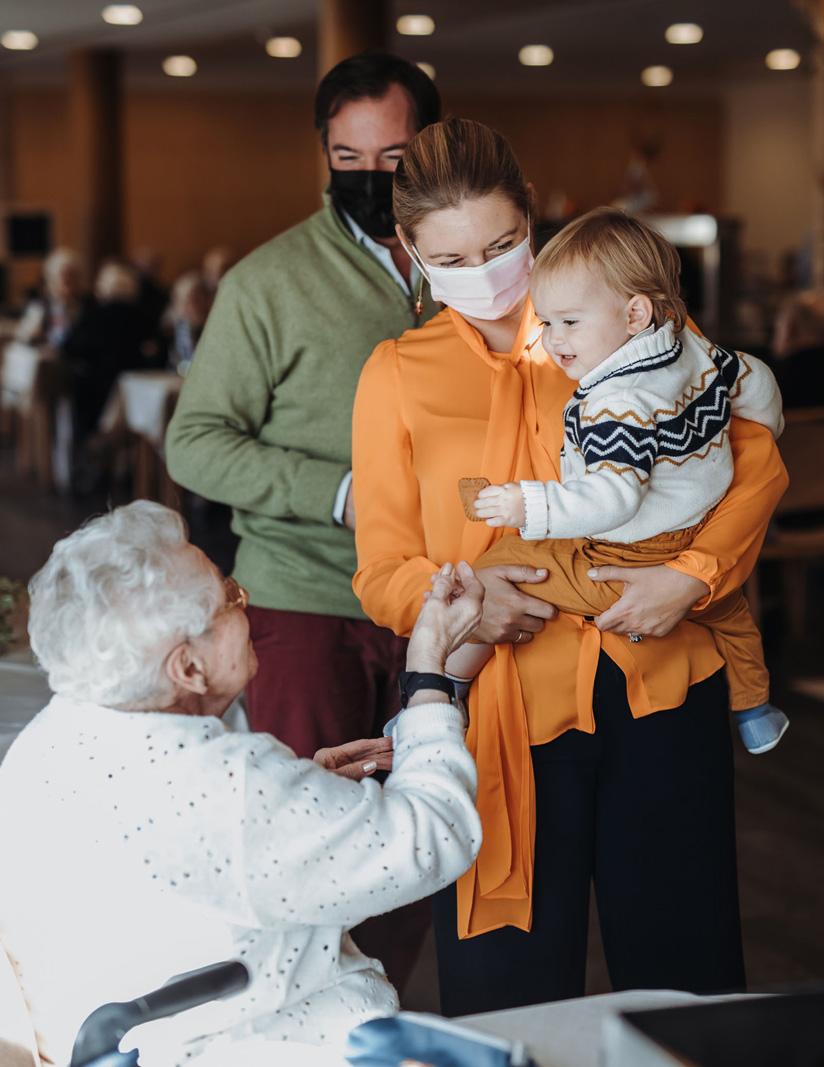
802	449
32	381
18	1047
137	413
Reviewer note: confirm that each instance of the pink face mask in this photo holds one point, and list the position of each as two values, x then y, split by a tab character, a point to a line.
489	291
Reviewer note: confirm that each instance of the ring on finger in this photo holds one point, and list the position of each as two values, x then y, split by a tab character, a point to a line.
519	636
635	638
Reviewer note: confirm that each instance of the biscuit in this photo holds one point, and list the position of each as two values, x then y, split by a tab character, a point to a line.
469	489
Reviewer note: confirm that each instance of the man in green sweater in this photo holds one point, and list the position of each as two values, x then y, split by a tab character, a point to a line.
264	423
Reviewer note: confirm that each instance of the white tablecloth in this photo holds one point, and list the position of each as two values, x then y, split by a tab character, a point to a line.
23	692
139	401
18	370
568	1033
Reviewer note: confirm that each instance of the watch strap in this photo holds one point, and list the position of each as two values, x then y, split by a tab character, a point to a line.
413	681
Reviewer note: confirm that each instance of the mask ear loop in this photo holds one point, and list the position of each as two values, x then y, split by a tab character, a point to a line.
416	259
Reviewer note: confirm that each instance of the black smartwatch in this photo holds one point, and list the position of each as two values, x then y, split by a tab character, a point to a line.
412	681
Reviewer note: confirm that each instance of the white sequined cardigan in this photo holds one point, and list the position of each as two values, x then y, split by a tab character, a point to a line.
136	846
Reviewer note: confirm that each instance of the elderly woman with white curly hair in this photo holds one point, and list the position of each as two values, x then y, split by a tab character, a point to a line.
148	839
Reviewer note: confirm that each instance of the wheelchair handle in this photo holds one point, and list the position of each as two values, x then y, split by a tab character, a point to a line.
100	1034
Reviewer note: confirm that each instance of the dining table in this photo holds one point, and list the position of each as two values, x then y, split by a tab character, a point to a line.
141	404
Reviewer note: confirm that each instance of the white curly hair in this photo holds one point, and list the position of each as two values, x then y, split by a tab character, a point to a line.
111	602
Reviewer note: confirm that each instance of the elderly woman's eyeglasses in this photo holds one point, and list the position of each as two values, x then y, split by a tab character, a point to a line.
236	595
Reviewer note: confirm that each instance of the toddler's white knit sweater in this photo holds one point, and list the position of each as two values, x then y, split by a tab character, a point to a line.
646	439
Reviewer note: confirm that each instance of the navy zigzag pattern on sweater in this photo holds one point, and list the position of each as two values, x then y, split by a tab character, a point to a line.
625	444
621	444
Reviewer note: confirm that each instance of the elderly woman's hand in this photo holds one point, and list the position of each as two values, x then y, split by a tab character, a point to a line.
357	759
451	612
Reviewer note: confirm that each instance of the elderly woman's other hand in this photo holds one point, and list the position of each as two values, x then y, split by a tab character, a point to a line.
357	759
451	612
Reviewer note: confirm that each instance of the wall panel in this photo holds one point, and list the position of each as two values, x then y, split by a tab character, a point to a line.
204	168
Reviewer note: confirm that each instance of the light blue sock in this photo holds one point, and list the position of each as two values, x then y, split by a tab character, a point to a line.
753	713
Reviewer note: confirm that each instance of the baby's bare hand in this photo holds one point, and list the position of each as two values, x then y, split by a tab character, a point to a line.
501	505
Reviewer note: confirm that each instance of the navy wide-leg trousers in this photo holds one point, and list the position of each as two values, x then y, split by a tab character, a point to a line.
643	810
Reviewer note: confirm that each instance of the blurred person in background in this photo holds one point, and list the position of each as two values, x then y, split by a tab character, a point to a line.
798	349
216	263
152	296
264	424
48	317
111	336
186	316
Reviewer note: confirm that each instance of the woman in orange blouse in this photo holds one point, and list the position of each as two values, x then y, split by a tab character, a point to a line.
599	760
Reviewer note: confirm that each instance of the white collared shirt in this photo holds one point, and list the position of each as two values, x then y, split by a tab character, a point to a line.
383	255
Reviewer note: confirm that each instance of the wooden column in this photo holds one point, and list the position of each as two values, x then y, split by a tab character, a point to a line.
95	123
814	11
349	26
817	118
346	27
6	190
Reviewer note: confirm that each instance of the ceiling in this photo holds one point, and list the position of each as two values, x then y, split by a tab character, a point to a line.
600	45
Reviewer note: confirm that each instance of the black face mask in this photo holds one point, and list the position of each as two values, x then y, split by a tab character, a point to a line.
365	195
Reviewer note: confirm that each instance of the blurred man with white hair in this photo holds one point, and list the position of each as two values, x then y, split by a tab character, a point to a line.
141	838
186	316
216	262
47	318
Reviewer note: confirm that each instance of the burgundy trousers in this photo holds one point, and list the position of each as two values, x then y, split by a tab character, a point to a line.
322	681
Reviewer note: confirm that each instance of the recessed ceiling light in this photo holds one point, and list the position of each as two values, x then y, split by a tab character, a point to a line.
536	55
684	33
122	15
19	40
656	76
415	25
428	69
782	59
283	47
179	66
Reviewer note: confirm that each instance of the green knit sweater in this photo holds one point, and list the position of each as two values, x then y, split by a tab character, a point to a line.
264	420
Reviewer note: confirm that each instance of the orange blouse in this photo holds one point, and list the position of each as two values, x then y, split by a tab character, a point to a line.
436	405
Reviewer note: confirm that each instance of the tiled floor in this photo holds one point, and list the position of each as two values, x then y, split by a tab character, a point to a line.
780	795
